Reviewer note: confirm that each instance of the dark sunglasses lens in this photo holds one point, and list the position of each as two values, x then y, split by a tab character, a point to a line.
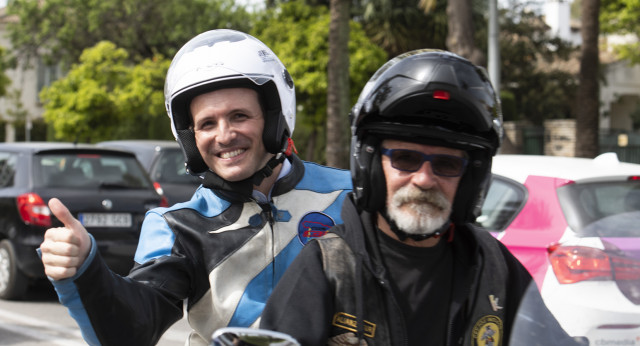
447	166
406	160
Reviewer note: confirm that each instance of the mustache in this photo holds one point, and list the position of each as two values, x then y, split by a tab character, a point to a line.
412	195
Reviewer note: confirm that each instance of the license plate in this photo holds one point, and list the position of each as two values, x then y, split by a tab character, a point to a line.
105	219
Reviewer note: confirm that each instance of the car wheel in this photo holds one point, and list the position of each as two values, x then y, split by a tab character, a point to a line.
13	282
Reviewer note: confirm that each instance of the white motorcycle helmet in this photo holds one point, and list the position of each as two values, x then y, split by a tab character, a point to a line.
225	58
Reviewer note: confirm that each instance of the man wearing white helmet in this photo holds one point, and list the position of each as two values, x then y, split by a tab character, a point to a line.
232	109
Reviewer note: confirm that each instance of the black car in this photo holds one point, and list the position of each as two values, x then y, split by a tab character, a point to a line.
164	161
107	190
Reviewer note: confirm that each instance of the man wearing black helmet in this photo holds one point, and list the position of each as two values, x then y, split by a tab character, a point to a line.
232	108
408	267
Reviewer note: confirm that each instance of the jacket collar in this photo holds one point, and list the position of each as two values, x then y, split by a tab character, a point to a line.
281	186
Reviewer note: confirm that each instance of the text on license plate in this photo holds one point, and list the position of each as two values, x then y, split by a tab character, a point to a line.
105	219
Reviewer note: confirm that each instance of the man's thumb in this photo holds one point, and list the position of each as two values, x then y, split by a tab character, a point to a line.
63	214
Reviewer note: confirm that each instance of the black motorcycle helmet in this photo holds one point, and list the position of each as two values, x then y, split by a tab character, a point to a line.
430	97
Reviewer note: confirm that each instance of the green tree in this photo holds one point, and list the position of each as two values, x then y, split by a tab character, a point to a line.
104	97
533	70
299	34
6	62
621	17
399	26
59	30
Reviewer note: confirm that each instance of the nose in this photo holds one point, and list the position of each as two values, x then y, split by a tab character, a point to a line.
225	132
424	177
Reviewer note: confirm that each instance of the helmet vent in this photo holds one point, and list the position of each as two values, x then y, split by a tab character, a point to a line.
287	79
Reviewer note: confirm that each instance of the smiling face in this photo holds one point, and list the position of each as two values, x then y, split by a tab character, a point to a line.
419	202
228	126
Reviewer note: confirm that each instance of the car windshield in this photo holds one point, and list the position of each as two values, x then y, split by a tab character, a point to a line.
89	170
171	169
608	209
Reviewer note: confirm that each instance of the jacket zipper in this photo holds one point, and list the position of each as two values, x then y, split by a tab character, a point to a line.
385	286
267	211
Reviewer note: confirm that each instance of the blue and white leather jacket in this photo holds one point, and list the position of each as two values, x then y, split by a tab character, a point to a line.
223	259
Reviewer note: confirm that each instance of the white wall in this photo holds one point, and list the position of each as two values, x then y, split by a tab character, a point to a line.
23	79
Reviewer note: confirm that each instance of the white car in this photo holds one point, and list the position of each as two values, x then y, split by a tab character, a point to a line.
575	225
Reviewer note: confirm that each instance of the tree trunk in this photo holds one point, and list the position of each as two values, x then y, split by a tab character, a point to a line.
587	117
311	146
338	85
461	30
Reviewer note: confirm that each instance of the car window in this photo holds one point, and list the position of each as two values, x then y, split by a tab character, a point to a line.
7	169
80	170
170	169
504	199
607	209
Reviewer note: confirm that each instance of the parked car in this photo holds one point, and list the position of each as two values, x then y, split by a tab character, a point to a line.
575	225
108	191
164	161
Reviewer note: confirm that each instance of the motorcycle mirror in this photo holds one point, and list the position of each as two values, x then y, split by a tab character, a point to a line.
236	336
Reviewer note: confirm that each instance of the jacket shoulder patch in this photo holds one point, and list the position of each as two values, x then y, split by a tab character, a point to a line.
487	331
314	225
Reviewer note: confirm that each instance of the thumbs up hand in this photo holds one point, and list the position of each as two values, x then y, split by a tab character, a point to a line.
64	249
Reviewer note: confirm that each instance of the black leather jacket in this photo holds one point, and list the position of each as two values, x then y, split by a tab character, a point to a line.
320	299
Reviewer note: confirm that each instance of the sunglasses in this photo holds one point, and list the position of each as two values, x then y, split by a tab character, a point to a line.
411	161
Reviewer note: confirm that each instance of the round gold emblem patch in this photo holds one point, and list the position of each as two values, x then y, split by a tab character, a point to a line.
487	331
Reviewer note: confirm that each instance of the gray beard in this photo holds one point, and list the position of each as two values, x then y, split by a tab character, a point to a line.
417	211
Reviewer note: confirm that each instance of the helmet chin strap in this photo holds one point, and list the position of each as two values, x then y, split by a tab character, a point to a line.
241	191
402	235
267	170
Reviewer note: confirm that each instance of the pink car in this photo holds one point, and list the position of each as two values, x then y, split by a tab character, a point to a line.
575	225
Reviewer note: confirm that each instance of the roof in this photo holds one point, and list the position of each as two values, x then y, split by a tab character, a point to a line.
146	150
41	146
34	146
141	143
605	166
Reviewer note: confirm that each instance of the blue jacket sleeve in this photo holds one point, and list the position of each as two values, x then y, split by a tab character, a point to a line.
133	310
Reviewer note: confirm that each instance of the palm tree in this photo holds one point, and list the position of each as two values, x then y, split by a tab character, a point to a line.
337	151
587	107
398	26
460	36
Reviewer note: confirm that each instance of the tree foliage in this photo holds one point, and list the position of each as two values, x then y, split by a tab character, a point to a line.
298	34
59	30
115	90
534	68
399	26
6	62
622	17
104	97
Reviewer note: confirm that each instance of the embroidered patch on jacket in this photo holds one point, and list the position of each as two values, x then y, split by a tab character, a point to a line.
350	323
314	225
487	331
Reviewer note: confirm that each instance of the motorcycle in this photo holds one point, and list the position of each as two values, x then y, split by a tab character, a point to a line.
236	336
533	326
